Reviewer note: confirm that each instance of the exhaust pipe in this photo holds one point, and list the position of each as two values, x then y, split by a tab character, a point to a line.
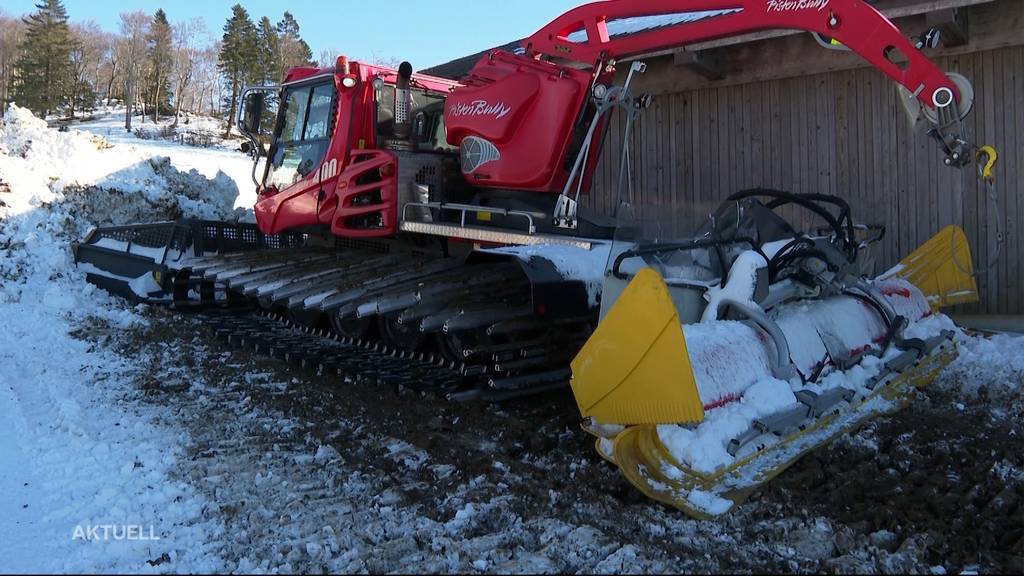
403	102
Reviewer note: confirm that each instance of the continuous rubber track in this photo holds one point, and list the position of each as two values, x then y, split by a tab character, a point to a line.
328	355
428	323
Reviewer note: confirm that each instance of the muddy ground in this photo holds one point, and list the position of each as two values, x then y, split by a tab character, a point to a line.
309	473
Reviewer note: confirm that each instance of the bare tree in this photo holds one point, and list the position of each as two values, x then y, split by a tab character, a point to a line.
86	58
328	56
134	28
189	36
109	72
11	30
204	84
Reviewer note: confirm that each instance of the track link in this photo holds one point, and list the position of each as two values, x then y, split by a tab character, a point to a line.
361	361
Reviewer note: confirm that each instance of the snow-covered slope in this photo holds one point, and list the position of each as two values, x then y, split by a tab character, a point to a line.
74	453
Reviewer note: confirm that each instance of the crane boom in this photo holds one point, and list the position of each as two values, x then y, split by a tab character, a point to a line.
584	35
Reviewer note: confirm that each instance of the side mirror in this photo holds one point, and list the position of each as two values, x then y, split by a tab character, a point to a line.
252	113
305	167
245	147
419	128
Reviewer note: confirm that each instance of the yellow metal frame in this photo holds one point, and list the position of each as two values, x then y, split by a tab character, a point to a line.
644	459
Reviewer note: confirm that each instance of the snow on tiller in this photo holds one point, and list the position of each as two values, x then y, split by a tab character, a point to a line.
724	359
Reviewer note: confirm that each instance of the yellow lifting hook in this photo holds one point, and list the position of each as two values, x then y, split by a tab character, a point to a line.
986	158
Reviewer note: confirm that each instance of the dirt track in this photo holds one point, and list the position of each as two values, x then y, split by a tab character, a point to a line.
315	474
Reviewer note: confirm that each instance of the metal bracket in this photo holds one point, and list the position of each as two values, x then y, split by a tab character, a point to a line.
564	214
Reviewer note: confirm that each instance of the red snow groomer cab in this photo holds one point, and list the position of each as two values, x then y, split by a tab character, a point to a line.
363	149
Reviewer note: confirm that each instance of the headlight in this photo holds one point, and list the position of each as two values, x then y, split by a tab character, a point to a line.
348	81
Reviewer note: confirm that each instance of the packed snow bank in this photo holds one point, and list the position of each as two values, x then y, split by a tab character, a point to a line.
79	451
55	185
143	143
994	364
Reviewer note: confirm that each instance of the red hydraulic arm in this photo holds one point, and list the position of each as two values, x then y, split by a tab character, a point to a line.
852	22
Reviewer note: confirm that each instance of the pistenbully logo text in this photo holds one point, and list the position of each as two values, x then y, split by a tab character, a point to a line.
788	5
481	108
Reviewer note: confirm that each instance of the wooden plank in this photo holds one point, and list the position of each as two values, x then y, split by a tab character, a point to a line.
952	26
705	140
994	210
686	126
752	113
987	229
825	132
900	226
674	146
1013	187
721	164
737	136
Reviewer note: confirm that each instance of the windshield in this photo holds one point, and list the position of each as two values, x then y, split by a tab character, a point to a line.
305	134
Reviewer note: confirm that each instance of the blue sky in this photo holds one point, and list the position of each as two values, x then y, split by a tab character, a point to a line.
424	32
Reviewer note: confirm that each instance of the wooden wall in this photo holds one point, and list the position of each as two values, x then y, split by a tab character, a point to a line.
842	133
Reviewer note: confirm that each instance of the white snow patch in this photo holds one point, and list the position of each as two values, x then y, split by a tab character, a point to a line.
720	372
572	263
224	157
996	363
739	287
704	448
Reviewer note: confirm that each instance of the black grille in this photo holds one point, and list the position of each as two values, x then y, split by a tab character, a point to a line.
205	236
427	176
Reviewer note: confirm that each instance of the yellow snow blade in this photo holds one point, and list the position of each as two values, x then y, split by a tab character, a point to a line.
942	269
635	368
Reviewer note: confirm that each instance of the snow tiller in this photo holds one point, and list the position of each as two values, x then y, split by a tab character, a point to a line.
435	233
723	357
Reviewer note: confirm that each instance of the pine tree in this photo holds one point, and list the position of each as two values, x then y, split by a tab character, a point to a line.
268	53
237	61
159	60
294	50
42	69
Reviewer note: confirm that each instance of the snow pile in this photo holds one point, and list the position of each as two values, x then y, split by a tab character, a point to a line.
224	157
55	185
995	363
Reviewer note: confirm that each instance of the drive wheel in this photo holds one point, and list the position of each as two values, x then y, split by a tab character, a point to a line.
306	318
350	326
454	346
400	336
